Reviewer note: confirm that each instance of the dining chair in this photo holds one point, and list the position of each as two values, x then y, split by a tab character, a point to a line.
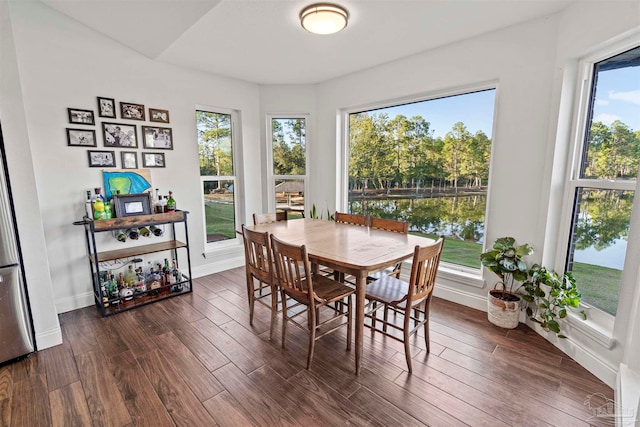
260	272
269	217
403	298
388	225
348	218
295	280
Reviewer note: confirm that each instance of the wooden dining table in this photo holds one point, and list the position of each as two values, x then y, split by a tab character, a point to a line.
351	249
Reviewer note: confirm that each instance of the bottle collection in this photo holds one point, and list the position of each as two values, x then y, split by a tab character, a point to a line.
123	288
98	207
135	233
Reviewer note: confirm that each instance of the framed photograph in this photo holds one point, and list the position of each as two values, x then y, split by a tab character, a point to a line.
81	117
129	159
132	204
156	137
160	116
81	138
107	107
102	159
119	135
153	160
131	111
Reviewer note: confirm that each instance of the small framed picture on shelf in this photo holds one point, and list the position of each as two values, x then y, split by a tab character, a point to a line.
119	135
131	111
81	117
160	116
157	137
132	204
81	138
129	159
107	107
102	159
153	160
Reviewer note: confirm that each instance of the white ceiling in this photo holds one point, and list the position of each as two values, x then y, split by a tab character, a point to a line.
261	41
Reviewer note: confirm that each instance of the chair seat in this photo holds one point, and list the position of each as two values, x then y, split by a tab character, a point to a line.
329	290
391	291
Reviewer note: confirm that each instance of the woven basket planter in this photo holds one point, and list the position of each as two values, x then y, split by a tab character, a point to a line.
501	312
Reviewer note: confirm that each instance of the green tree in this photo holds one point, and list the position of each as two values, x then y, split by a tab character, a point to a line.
455	152
214	143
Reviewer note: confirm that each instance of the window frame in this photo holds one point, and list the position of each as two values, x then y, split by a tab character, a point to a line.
455	272
238	195
271	177
601	324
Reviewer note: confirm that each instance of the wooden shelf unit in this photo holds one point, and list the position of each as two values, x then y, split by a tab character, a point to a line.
117	305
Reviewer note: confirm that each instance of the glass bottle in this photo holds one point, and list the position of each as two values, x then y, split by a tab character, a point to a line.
133	233
120	235
144	231
157	231
98	205
171	203
88	205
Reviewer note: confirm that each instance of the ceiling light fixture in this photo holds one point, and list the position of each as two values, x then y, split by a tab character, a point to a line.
324	18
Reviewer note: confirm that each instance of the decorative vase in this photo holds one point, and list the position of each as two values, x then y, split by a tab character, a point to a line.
501	311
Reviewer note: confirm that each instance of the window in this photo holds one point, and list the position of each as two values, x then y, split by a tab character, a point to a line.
426	163
218	181
288	164
604	177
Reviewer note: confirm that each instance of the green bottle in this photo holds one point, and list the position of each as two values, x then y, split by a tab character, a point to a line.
171	203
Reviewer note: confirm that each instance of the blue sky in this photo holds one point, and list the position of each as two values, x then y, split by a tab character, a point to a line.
618	97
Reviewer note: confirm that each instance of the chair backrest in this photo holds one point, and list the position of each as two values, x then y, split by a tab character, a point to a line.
258	255
424	270
389	225
348	218
293	270
269	217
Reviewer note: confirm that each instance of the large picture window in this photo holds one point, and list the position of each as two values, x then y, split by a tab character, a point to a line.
604	179
218	180
288	165
426	163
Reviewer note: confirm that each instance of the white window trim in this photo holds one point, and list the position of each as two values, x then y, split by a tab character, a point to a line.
271	178
457	273
599	325
236	134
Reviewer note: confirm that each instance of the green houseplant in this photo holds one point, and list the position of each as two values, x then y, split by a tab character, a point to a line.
548	295
506	260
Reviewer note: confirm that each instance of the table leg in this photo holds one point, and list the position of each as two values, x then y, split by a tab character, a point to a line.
361	283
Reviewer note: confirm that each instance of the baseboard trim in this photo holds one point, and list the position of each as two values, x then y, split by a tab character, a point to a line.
218	266
460	296
50	338
75	302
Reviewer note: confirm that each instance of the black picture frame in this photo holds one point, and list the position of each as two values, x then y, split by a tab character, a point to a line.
132	204
158	116
131	111
119	135
156	137
81	117
101	159
81	138
106	107
153	160
129	159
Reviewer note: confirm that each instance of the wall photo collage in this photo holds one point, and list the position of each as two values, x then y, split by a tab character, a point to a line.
121	135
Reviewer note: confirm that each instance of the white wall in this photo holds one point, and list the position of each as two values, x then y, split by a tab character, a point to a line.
64	64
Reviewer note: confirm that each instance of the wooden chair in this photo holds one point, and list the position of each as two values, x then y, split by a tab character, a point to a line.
269	217
354	219
388	225
403	298
295	279
260	272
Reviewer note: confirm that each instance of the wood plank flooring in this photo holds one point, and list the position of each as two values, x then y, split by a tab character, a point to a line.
194	360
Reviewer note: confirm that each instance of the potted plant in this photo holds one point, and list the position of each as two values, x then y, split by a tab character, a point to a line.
505	259
548	295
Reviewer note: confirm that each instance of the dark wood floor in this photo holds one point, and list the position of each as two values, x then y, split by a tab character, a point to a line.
195	361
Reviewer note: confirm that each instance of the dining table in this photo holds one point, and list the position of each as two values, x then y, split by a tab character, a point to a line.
351	249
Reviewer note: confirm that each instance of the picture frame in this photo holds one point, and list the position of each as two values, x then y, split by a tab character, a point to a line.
159	116
81	138
106	107
119	135
156	137
132	204
153	160
132	111
81	117
129	159
101	159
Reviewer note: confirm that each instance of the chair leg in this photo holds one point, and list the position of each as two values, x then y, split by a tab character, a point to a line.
349	321
373	317
284	317
405	332
274	311
385	318
426	335
312	336
252	302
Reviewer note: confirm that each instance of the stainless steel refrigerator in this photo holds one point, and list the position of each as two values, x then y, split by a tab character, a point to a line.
16	324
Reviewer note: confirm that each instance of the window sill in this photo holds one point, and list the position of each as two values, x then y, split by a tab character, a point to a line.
226	248
462	276
591	329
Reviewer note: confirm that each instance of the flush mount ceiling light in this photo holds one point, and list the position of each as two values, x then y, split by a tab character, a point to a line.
324	18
